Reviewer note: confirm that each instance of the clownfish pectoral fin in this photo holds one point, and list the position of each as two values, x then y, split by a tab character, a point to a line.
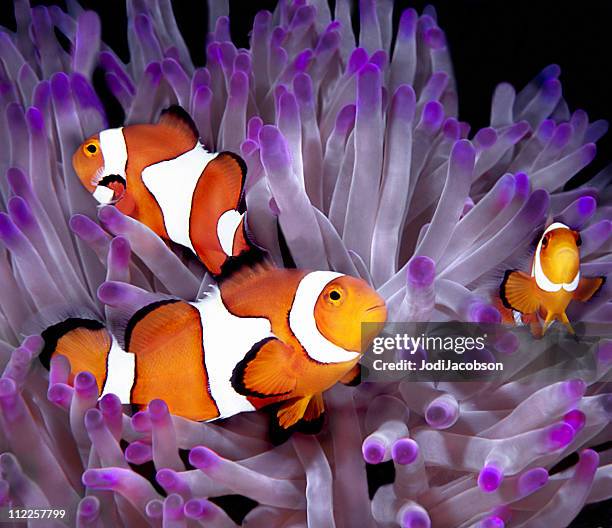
587	287
177	118
217	226
265	371
353	377
519	292
85	342
292	412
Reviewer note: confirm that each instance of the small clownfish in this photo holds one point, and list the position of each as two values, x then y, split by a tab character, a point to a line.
262	336
555	281
162	176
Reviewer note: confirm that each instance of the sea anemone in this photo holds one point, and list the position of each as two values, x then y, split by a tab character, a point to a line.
357	163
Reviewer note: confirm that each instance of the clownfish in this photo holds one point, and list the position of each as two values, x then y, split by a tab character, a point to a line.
161	175
542	297
262	336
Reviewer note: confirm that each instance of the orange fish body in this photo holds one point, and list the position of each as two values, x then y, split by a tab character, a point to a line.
555	280
162	176
263	336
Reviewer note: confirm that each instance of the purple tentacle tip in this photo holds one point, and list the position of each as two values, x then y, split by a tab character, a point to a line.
421	271
576	419
358	58
432	117
560	435
60	394
198	509
415	519
435	38
35	119
138	453
110	404
490	478
493	522
120	249
486	137
407	24
373	451
93	419
586	206
89	507
562	135
158	410
167	478
203	458
451	128
110	216
99	478
442	413
575	388
463	153
545	130
532	480
522	183
111	293
20	212
141	422
85	384
405	451
484	313
518	130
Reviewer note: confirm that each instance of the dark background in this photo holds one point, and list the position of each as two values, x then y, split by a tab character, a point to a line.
490	42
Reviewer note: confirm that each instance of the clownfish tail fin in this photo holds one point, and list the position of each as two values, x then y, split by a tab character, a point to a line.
588	287
518	292
218	225
85	342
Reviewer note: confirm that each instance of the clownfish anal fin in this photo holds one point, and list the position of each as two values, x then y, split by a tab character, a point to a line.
265	372
587	287
519	292
293	411
353	377
315	408
176	117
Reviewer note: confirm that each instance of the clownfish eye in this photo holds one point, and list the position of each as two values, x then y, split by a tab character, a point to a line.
335	295
90	149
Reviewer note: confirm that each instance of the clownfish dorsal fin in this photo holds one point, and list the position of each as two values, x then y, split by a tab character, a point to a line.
177	118
242	269
265	370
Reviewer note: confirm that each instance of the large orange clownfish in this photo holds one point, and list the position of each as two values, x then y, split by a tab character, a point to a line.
543	296
162	176
262	336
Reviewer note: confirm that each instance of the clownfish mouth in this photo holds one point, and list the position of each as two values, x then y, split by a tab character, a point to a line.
377	307
116	184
